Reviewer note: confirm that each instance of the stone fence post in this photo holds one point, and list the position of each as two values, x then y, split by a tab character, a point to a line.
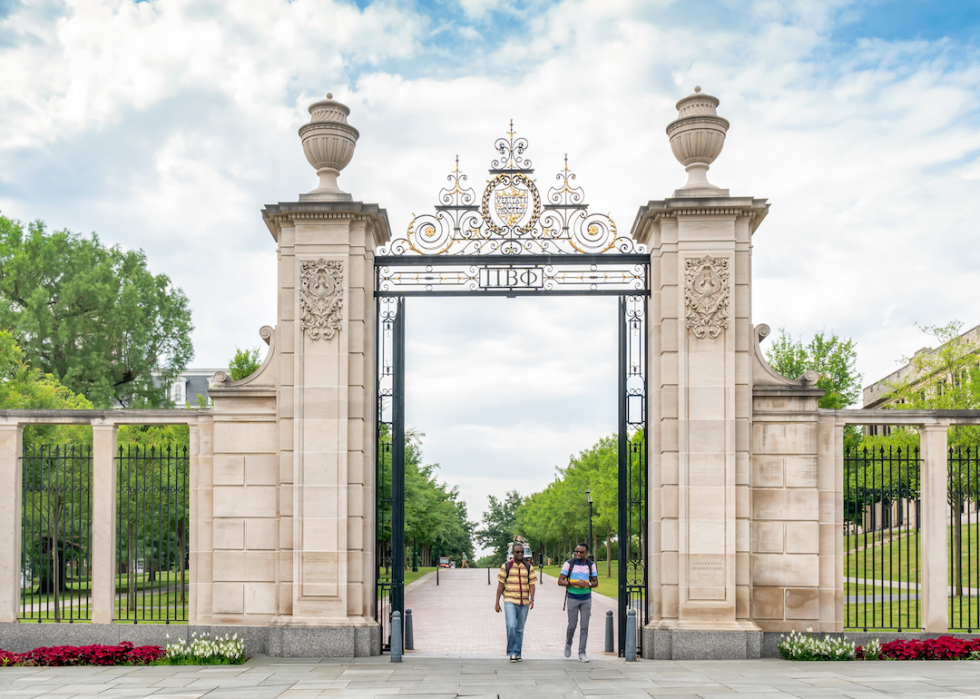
103	523
11	441
934	488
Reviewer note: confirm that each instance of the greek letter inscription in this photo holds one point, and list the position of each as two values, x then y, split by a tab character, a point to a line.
511	278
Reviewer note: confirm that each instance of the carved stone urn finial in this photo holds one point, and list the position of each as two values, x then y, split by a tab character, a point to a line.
696	138
328	142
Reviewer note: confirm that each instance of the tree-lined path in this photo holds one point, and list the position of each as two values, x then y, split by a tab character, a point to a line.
456	617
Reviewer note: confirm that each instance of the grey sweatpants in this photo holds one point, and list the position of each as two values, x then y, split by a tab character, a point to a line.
575	608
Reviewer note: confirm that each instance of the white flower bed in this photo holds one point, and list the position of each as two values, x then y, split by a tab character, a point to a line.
798	646
226	650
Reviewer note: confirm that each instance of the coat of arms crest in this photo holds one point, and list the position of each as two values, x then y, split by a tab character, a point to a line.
511	204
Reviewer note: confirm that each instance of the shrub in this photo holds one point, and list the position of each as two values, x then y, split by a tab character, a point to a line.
55	656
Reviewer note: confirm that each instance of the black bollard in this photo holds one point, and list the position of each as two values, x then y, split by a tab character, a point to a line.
396	637
409	632
488	575
610	648
437	575
631	635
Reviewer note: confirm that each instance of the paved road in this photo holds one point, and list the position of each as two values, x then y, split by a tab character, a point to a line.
456	618
437	678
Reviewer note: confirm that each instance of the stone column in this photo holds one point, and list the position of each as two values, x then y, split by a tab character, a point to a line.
103	523
326	330
11	475
700	329
934	487
830	470
201	534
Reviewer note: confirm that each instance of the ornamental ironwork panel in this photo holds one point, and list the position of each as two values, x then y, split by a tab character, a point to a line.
514	275
511	217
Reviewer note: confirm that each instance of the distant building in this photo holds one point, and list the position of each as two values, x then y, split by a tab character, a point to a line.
878	394
189	385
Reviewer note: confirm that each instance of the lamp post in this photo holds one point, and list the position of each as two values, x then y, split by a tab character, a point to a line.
588	499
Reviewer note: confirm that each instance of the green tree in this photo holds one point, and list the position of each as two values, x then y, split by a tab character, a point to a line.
944	378
92	316
55	515
499	525
22	387
834	358
436	520
244	363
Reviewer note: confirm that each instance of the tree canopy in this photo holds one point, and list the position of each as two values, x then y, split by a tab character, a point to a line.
244	363
435	517
833	357
23	387
92	316
500	524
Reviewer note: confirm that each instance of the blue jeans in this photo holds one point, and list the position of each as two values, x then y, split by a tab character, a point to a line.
515	615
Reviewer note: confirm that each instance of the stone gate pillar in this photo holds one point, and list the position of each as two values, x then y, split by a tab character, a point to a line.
327	335
700	324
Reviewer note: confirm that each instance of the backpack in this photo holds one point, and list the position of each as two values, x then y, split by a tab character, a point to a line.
570	562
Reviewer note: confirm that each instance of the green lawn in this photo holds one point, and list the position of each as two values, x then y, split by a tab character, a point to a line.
883	616
608	586
411	577
883	563
895	559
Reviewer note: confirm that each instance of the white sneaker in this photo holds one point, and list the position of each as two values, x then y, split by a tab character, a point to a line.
582	658
568	651
513	658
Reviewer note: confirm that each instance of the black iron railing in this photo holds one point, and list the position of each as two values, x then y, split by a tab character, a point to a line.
964	541
56	534
882	519
390	468
152	535
632	466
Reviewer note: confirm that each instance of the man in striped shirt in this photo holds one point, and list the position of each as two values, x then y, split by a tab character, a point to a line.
515	582
578	576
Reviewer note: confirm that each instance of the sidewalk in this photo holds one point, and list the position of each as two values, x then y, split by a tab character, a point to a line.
435	678
456	618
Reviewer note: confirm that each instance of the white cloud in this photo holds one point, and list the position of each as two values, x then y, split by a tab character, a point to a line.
167	125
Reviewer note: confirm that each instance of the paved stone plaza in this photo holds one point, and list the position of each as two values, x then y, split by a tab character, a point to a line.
436	678
456	617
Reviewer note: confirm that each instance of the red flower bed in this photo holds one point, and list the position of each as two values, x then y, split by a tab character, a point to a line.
123	654
942	648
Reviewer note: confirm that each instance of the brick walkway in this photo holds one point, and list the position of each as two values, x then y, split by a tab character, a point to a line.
456	618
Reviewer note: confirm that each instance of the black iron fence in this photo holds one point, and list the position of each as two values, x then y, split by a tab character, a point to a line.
56	534
882	519
964	542
152	534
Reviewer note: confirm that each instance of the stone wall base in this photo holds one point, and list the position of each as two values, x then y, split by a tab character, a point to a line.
671	644
275	641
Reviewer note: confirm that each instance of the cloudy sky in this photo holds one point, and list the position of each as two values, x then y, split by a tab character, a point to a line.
166	125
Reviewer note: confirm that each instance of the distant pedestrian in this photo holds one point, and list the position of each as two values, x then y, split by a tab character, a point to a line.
465	563
516	581
578	577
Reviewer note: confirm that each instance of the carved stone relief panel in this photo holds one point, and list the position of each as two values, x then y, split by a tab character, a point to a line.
321	297
706	295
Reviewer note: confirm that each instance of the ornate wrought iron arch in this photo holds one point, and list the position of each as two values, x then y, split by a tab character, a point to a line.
511	242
